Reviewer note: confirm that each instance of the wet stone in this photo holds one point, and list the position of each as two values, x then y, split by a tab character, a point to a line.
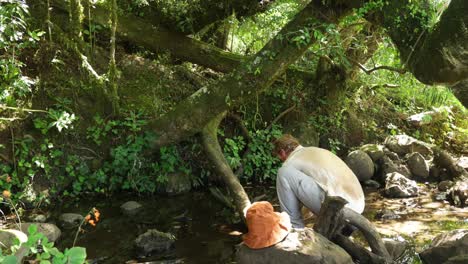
131	208
386	214
398	186
418	165
445	185
372	184
361	164
442	196
154	242
51	231
396	247
40	218
70	220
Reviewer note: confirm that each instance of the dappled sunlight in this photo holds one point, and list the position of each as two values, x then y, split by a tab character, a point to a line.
418	218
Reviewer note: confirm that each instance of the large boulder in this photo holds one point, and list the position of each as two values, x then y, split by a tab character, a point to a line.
154	242
398	186
51	231
418	165
446	246
70	220
300	246
361	164
374	151
403	144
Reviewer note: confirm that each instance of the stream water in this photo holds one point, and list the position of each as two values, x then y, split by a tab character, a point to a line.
199	223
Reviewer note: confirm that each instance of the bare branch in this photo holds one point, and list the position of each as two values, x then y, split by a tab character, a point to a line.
389	68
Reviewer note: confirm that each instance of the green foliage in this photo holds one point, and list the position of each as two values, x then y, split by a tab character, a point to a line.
258	163
40	250
129	168
15	37
252	33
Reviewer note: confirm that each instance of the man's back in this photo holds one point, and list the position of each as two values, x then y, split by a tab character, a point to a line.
330	173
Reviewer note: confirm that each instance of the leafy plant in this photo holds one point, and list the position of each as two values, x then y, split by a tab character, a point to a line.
258	163
39	249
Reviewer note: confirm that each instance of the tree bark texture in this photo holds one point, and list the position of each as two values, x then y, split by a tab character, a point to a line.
435	56
209	137
331	219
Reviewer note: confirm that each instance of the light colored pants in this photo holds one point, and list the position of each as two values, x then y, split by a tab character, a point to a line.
293	188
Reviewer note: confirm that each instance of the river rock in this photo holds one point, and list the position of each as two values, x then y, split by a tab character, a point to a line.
8	237
153	242
372	184
361	164
418	165
390	154
458	193
463	162
445	185
386	214
398	186
51	231
178	183
131	208
446	246
395	247
403	144
300	246
40	218
70	220
374	151
387	166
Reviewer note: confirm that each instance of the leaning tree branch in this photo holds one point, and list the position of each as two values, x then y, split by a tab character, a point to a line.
158	39
209	136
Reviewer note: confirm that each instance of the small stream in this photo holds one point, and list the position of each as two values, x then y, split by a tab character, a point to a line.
203	235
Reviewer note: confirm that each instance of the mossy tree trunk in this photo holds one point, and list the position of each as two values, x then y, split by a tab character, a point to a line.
248	79
209	136
437	55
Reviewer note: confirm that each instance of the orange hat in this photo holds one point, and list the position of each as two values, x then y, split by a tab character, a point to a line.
266	227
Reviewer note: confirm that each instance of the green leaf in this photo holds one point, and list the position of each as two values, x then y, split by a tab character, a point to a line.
10	260
32	229
76	255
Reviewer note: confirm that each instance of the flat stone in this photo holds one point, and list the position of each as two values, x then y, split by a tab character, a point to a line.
300	246
131	208
70	220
